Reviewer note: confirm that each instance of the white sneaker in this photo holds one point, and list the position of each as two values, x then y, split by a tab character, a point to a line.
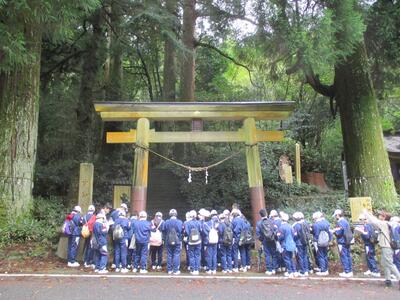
209	272
296	274
93	266
113	266
376	274
96	270
235	270
195	273
291	275
124	270
244	270
177	273
70	264
278	270
134	270
317	269
128	266
248	267
367	273
229	271
322	273
269	273
346	275
169	272
104	271
273	272
305	274
153	267
143	271
311	271
158	267
117	270
286	274
85	265
73	265
214	272
224	271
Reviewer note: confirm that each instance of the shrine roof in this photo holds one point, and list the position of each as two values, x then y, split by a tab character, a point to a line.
181	111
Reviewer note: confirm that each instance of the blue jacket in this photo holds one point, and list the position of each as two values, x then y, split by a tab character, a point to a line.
341	225
285	236
259	233
131	231
77	220
207	227
114	215
238	224
125	224
221	229
189	225
368	228
142	231
100	233
172	223
297	231
318	226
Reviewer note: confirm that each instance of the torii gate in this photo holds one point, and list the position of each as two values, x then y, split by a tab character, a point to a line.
143	113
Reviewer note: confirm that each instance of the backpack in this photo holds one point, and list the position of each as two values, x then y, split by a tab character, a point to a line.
323	239
373	239
246	237
194	237
172	237
348	236
85	231
155	238
132	244
267	230
213	236
394	238
118	233
91	222
227	238
68	226
304	234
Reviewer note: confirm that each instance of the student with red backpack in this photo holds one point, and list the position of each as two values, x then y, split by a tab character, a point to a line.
75	223
88	222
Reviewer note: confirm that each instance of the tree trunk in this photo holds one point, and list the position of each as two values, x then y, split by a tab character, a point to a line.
188	55
366	157
87	140
19	107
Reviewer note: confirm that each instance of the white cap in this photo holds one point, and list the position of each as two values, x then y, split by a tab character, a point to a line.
226	212
91	208
222	216
77	209
317	215
173	212
158	214
298	215
361	217
193	214
187	215
123	205
284	216
273	213
337	212
213	212
395	219
201	211
236	211
207	213
143	215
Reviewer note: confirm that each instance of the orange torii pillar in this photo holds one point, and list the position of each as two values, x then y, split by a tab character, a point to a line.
253	169
140	166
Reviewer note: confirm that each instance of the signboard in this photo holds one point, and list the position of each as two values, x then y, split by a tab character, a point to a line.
357	205
122	194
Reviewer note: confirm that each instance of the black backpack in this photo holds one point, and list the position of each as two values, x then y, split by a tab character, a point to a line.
348	235
194	237
246	237
373	239
304	234
267	230
227	237
394	238
172	237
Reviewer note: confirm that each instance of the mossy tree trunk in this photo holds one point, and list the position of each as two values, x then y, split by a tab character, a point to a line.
19	107
366	157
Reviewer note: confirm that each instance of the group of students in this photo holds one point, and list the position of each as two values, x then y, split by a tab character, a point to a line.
225	239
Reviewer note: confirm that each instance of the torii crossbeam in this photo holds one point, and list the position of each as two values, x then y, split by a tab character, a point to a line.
143	113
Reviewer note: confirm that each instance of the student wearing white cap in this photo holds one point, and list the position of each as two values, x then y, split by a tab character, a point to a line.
99	243
73	239
301	236
285	236
321	238
344	238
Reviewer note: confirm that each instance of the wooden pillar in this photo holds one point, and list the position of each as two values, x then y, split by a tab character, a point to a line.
140	166
298	164
253	168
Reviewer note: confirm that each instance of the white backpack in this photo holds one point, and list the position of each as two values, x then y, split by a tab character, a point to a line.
156	237
213	236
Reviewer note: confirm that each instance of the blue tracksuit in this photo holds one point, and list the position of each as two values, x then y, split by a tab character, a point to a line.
278	261
238	224
173	252
396	252
101	254
245	249
285	237
194	251
322	252
226	250
370	253
211	250
131	252
142	233
302	253
121	246
114	215
88	250
344	250
73	240
269	247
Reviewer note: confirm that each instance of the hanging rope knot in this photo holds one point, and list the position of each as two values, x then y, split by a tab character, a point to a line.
251	145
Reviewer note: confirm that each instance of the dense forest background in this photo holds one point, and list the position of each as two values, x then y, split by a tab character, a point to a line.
61	57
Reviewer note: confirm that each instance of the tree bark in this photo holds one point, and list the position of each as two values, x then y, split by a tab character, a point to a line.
19	107
366	157
188	55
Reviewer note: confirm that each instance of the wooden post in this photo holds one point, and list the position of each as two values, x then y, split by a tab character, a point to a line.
298	164
253	168
140	166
